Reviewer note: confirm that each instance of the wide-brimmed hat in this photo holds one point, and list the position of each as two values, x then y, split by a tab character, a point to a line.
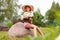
30	6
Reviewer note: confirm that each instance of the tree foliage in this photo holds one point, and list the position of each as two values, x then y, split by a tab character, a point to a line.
53	5
37	18
50	17
8	9
52	13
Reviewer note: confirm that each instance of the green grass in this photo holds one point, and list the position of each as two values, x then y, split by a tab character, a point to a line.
49	34
57	15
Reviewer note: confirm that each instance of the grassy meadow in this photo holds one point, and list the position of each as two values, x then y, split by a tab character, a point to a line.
49	34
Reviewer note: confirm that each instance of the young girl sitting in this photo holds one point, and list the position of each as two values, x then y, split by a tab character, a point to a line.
27	19
28	13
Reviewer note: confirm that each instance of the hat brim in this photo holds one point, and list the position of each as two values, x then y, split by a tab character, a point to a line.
24	9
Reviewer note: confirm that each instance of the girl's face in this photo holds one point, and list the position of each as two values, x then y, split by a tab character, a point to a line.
27	9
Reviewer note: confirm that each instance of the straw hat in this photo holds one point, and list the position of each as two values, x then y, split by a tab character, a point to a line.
30	6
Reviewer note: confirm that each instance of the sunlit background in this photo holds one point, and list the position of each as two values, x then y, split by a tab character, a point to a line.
43	5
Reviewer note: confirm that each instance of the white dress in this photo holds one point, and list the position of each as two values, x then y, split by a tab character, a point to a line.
26	15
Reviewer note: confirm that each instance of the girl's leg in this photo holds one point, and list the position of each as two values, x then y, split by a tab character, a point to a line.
28	26
36	29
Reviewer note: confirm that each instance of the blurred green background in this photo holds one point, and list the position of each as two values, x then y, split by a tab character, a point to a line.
50	23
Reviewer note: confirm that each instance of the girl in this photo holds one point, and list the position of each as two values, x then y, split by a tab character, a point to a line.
27	19
28	13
